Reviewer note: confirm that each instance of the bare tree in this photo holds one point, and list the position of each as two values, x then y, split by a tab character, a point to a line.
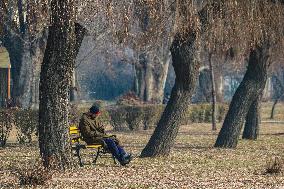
265	34
186	62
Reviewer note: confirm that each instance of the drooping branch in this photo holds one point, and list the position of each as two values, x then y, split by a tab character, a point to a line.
80	33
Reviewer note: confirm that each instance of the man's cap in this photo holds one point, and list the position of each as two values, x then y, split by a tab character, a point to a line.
94	109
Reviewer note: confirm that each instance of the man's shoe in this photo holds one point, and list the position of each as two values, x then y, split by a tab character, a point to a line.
126	159
128	156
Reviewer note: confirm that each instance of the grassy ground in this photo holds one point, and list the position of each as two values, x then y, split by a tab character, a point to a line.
266	111
193	163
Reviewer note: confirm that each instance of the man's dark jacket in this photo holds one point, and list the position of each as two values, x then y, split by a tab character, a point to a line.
92	129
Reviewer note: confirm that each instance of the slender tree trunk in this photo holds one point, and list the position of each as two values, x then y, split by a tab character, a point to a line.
55	79
273	108
279	93
140	76
213	92
80	32
186	65
247	92
21	17
251	129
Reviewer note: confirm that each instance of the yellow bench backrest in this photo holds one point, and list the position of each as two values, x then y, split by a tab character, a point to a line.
74	133
74	130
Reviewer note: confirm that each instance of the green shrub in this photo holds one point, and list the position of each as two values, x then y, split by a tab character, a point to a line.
118	118
147	116
6	121
152	114
26	122
140	117
134	117
202	113
222	111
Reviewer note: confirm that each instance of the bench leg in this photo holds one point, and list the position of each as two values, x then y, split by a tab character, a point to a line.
113	159
97	155
79	157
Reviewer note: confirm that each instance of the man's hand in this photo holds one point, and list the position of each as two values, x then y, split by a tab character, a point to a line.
110	136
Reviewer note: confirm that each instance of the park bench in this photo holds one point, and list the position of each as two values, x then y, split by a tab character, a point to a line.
78	144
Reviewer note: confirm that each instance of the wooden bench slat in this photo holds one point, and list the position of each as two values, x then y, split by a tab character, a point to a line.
94	146
74	132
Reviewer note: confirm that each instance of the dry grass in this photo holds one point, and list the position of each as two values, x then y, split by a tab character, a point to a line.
193	163
279	111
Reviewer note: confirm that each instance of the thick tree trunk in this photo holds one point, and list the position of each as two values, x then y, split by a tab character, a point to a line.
55	79
30	72
251	129
186	65
80	32
213	93
14	46
247	92
150	79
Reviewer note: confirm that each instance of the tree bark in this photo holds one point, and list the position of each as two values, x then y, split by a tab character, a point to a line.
55	79
213	93
247	92
186	64
251	129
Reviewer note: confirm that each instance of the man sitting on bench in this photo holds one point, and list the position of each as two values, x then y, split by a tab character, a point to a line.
93	132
